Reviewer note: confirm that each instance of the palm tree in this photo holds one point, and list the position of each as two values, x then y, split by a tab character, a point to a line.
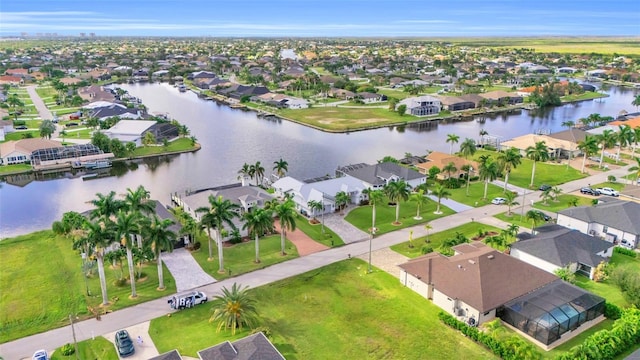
342	199
636	139
635	169
440	192
427	227
546	196
420	201
468	148
636	101
158	235
314	206
258	222
508	160
234	309
510	200
286	213
467	169
483	133
569	124
375	197
555	192
15	102
397	191
105	206
488	171
138	201
452	139
47	128
258	171
625	138
449	168
221	211
606	140
100	235
126	226
244	171
281	167
207	221
535	216
588	146
512	230
539	152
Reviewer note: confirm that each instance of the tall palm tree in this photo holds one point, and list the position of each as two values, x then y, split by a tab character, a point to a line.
420	200
221	212
375	197
207	221
510	200
468	148
539	152
234	309
441	193
508	160
449	168
427	227
636	101
635	169
158	235
244	171
258	222
588	146
488	171
138	201
258	171
342	199
452	139
281	167
467	169
483	133
286	213
126	227
636	139
105	206
100	235
535	217
569	124
625	137
606	140
397	191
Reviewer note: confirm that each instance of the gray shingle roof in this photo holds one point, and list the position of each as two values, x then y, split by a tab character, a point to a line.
376	174
252	347
621	215
562	246
171	355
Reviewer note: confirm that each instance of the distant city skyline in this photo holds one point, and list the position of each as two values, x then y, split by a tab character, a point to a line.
328	18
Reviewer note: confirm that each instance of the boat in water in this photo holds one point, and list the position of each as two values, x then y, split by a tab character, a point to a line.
182	88
98	164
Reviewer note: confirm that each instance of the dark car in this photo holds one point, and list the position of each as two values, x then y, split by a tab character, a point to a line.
543	215
589	191
544	187
21	127
71	124
124	343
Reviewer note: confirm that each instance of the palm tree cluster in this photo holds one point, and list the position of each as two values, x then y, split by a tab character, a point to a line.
131	222
256	171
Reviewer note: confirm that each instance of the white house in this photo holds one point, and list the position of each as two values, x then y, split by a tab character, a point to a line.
130	130
422	105
378	175
615	221
18	152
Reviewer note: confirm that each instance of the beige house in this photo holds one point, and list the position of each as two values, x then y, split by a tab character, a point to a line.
18	152
440	160
558	148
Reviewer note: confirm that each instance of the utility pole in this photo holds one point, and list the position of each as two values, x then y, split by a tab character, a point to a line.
75	342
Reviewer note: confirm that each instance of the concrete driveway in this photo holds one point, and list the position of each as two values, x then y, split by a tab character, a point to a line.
185	270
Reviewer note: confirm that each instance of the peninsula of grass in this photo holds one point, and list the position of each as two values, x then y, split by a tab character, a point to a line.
476	192
335	312
42	283
469	230
360	217
314	231
587	95
98	348
182	144
563	202
239	258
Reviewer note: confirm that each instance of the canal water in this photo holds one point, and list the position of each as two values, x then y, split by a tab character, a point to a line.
232	137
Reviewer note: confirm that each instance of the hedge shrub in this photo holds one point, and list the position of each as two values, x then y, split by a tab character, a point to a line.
625	251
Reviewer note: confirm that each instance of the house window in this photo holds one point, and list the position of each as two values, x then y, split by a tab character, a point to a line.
605	228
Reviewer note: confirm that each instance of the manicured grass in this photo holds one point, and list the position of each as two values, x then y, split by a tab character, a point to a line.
562	203
46	91
614	185
5	169
587	95
516	218
100	348
78	133
607	289
336	312
469	230
314	231
43	263
476	191
178	145
360	217
240	257
19	135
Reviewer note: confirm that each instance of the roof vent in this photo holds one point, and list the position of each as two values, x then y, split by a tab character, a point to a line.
472	261
490	257
459	266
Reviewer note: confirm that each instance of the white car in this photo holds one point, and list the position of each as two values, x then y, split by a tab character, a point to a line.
608	191
498	201
187	300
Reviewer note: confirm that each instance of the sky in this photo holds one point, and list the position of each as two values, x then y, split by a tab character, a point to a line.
327	18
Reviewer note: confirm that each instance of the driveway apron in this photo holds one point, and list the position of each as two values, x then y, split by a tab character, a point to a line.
185	270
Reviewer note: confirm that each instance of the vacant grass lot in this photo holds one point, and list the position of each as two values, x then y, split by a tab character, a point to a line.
178	145
240	257
100	348
435	240
563	202
42	283
336	312
360	217
314	231
476	191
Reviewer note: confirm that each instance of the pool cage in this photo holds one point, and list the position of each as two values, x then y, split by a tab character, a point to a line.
551	311
64	152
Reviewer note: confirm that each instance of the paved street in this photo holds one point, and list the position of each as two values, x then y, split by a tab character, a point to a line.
43	111
24	348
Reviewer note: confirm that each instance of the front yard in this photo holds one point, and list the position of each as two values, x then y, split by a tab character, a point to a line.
476	191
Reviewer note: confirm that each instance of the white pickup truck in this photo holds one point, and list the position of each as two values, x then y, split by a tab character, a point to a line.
608	191
187	300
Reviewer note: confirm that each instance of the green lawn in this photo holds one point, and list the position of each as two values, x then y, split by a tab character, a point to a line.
100	348
335	312
314	231
240	257
606	288
476	191
587	95
178	145
516	218
469	230
562	203
43	263
79	133
614	185
360	217
5	169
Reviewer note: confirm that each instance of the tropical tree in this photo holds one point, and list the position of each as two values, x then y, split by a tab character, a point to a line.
258	222
286	213
539	152
467	169
625	137
315	206
245	171
441	193
636	101
397	191
47	128
635	169
449	168
569	124
452	139
257	171
99	235
159	237
606	140
546	195
483	133
555	192
508	160
535	216
234	309
588	146
105	206
220	212
420	200
281	167
468	148
428	228
14	102
488	171
512	230
342	199
510	200
126	227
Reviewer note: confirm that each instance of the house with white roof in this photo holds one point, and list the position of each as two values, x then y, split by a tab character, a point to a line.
130	130
422	105
378	175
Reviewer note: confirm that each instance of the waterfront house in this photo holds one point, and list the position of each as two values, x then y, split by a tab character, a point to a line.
114	110
502	97
322	191
96	93
558	147
19	151
378	175
130	130
440	160
422	105
163	214
454	103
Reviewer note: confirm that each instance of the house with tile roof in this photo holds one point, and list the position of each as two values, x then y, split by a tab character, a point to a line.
19	151
440	160
554	247
252	347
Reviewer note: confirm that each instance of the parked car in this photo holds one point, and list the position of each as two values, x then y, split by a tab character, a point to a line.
187	300
608	191
543	215
544	187
21	127
124	343
71	124
498	201
589	191
40	355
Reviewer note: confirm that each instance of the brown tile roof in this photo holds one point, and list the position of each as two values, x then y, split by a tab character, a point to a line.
439	159
480	276
27	146
633	123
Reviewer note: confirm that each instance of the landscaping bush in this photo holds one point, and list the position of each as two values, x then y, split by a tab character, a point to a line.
67	349
474	178
451	183
629	283
612	311
197	245
625	251
427	249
